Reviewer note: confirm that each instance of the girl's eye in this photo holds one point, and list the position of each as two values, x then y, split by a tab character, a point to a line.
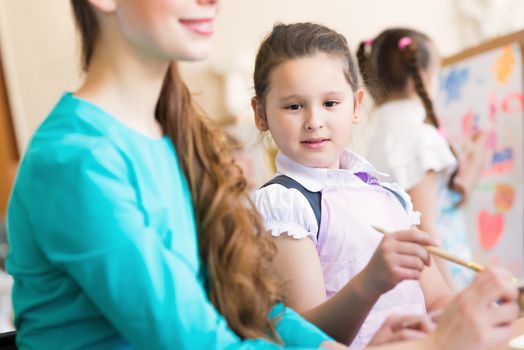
294	106
330	104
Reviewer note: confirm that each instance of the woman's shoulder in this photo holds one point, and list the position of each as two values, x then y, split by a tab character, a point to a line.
58	157
56	149
67	138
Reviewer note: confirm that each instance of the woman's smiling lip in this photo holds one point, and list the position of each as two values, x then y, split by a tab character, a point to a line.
202	26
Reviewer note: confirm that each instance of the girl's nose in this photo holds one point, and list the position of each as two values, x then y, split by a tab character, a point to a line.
313	121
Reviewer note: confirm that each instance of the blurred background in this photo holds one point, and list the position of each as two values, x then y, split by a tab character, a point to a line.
39	57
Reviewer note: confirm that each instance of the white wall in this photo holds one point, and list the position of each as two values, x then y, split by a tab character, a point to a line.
38	48
39	51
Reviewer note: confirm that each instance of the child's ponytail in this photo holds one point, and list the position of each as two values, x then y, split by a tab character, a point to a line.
362	59
409	51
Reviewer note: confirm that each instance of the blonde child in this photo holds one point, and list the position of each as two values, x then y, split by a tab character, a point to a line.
321	209
400	69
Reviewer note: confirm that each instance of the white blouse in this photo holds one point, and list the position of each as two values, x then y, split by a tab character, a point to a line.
286	210
405	147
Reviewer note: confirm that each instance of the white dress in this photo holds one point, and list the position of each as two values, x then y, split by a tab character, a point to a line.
406	147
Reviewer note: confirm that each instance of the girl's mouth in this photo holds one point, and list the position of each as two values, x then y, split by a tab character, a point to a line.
314	143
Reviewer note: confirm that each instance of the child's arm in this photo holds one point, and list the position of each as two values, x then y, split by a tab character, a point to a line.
299	268
423	196
399	256
436	292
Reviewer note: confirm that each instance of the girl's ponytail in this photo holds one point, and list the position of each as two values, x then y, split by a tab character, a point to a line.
363	59
409	52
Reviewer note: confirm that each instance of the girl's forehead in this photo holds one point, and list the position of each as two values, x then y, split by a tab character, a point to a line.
315	70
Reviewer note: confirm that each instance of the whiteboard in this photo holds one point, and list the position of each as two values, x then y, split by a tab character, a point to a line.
485	91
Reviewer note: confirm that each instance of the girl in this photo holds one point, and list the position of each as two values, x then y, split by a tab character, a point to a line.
337	266
127	224
401	71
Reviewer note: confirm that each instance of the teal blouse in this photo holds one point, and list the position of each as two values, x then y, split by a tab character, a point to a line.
103	245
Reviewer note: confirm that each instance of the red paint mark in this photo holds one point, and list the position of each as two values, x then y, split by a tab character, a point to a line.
513	103
492	113
490	228
499	168
470	122
467	122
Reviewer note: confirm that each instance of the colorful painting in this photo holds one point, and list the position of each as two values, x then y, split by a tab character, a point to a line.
485	92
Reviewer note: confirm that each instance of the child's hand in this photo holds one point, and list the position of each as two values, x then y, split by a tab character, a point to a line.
403	327
474	157
399	256
474	147
473	154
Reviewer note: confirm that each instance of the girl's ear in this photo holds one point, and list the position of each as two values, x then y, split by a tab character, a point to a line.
104	6
260	118
359	98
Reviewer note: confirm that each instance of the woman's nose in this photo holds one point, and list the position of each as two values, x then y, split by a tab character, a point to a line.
208	2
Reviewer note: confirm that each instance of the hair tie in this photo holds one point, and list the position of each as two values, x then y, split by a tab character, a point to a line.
368	42
404	42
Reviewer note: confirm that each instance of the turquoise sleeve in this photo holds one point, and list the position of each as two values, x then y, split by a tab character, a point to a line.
295	331
150	294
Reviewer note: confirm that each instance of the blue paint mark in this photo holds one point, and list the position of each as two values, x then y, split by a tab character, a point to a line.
453	82
501	156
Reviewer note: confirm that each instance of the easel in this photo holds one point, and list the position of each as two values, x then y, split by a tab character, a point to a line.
502	101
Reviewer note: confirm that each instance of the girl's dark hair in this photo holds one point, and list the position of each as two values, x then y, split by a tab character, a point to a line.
291	41
234	248
386	68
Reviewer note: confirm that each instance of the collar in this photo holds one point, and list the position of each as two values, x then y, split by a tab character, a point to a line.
410	110
315	179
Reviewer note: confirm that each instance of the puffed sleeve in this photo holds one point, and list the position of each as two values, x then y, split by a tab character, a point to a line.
286	210
410	157
405	199
90	227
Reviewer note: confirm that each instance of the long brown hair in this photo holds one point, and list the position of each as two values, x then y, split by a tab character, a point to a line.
386	69
234	249
292	41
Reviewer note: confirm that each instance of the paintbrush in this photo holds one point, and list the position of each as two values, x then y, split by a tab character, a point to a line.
469	264
444	255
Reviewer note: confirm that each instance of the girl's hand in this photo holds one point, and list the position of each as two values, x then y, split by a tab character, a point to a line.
473	149
403	327
474	157
480	317
400	256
